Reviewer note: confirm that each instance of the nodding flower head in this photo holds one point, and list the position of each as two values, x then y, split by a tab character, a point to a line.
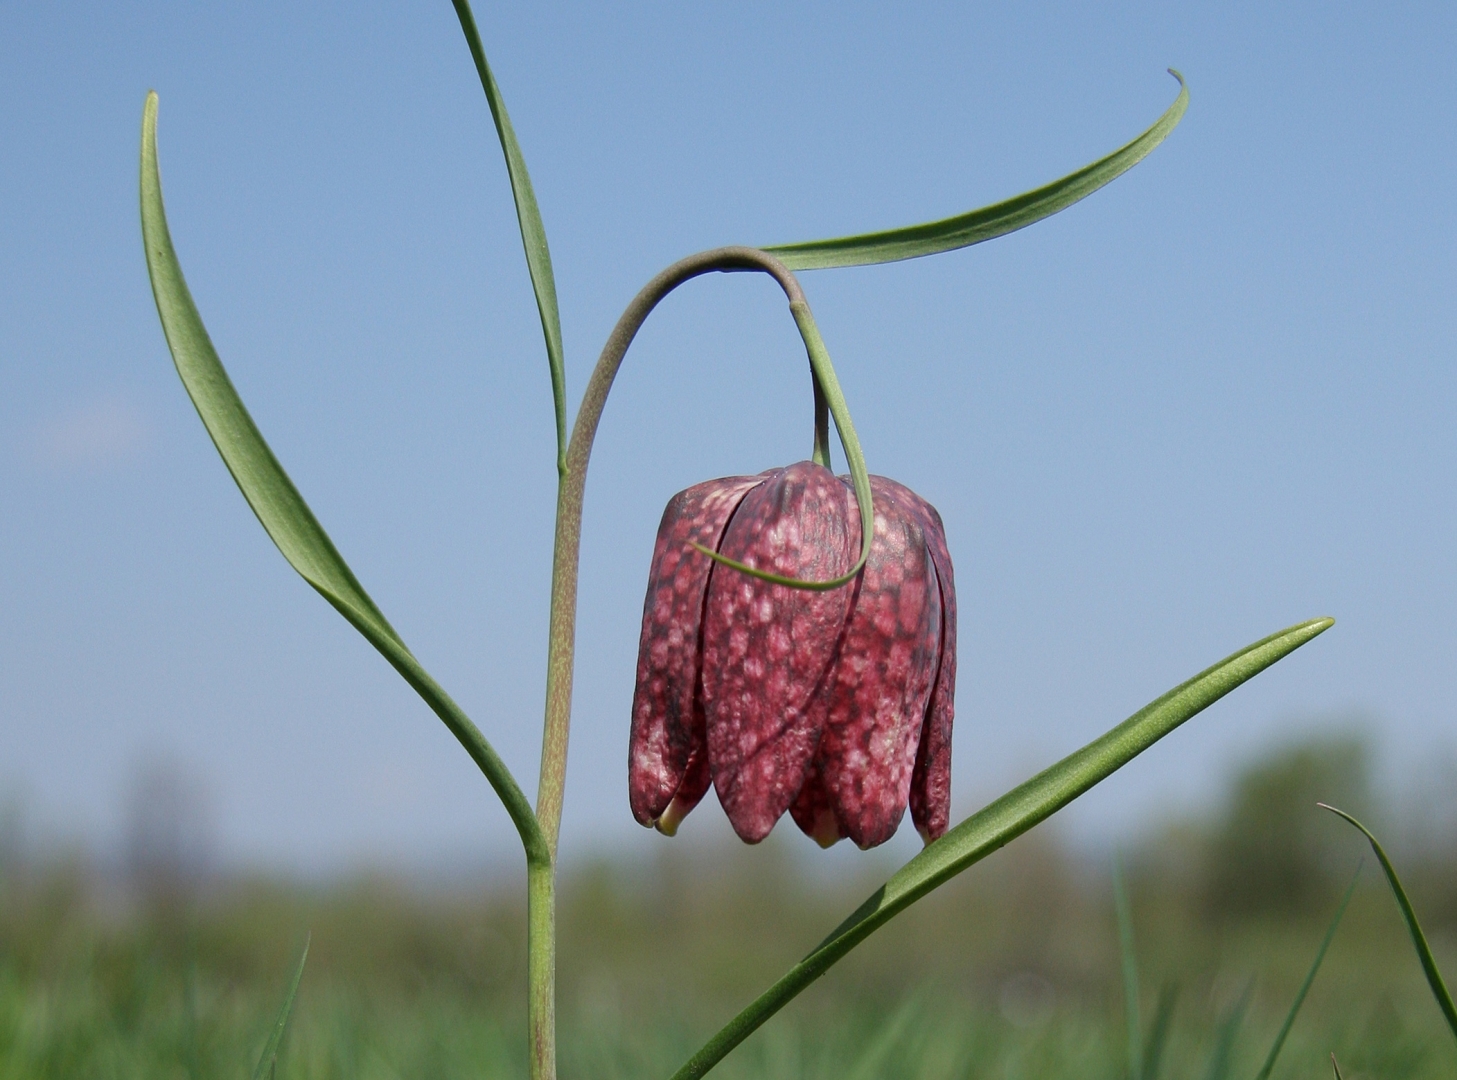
836	704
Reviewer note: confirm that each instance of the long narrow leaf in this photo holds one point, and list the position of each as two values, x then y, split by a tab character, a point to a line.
279	506
267	1067
988	222
1418	939
1002	821
1130	972
533	232
1325	944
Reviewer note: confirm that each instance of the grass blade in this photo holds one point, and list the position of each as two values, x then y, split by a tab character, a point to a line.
988	222
274	499
268	1061
1228	1030
1325	944
1158	1035
1418	939
1004	820
872	1060
1335	1067
533	232
1130	972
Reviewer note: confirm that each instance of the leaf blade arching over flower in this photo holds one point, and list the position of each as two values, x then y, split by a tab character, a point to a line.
987	222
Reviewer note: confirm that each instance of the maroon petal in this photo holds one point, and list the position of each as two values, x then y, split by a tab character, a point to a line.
667	721
813	813
931	786
768	649
882	682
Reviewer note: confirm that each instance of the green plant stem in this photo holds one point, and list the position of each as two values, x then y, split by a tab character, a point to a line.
821	454
541	966
566	558
567	549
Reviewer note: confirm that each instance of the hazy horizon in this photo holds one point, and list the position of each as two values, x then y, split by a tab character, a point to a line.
1212	400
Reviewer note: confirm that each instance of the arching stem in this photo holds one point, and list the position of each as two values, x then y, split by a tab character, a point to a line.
566	560
567	550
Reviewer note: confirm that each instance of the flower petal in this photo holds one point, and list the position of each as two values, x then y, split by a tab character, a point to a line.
883	680
667	720
768	649
813	813
931	786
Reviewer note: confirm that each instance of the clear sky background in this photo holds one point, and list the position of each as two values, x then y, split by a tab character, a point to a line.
1214	399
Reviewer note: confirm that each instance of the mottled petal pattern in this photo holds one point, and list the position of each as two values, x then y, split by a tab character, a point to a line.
883	677
769	650
667	714
813	813
833	704
930	797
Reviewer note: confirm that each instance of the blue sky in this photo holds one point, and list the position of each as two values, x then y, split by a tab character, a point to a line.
1212	400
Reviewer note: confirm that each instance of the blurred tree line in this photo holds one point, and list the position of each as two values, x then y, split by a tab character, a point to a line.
1245	891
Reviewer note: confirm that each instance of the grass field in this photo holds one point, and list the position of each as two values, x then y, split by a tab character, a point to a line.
1011	971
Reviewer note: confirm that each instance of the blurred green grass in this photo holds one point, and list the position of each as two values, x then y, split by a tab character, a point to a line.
1010	971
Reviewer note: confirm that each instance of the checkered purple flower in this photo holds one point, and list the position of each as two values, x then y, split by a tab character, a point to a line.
835	705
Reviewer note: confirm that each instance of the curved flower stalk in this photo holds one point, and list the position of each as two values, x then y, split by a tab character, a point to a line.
822	798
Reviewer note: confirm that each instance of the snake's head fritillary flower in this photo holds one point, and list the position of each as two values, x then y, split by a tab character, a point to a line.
836	704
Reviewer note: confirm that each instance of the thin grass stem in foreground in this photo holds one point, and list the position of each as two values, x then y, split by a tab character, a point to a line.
1325	944
1414	928
267	1068
1129	964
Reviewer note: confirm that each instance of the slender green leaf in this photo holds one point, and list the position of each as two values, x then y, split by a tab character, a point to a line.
1158	1034
1335	1066
1325	944
1223	1055
279	506
988	222
268	1060
1130	972
533	232
1004	820
1418	939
